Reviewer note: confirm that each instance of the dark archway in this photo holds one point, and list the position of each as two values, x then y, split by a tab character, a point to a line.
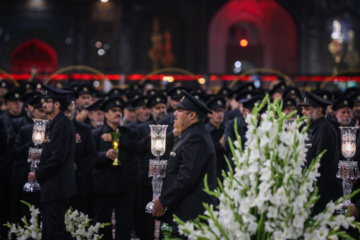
277	34
34	52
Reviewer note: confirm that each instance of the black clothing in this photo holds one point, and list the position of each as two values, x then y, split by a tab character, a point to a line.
216	135
56	176
230	115
85	158
5	193
230	132
53	216
21	121
113	185
192	158
322	135
21	168
56	168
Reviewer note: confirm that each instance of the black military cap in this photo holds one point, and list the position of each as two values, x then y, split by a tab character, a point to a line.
216	102
85	88
224	92
39	86
278	88
151	92
189	102
288	101
136	87
249	103
175	92
200	96
115	92
130	104
325	94
73	95
56	93
95	105
349	91
4	84
292	91
156	98
133	94
29	86
27	98
342	102
314	100
98	94
141	101
355	96
74	85
38	101
14	94
246	95
112	102
247	86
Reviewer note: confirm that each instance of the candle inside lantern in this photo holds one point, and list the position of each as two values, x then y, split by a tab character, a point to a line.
38	136
158	145
115	145
348	147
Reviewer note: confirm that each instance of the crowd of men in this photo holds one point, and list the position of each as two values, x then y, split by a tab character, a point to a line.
76	167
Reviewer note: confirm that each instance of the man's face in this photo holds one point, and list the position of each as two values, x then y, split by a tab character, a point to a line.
277	95
39	113
310	111
130	114
70	112
49	106
234	104
158	111
217	117
14	107
356	110
174	101
97	117
142	113
114	115
84	100
343	115
3	91
181	119
289	109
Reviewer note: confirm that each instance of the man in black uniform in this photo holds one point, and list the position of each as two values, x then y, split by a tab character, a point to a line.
192	158
4	189
85	158
14	108
216	127
96	115
322	135
21	166
113	185
55	173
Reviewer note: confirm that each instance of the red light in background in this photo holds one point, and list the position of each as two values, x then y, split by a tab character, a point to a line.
243	42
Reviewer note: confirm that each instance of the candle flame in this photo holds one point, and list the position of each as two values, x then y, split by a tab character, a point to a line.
158	145
38	136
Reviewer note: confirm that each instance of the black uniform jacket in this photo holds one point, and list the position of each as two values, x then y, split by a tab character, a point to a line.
109	179
21	166
216	135
56	169
3	150
85	156
192	158
322	135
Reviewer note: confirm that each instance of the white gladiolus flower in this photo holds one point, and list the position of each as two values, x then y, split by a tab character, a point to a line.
265	197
